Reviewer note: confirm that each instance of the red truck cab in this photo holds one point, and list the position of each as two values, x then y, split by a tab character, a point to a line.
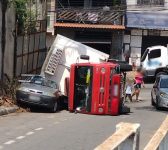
96	88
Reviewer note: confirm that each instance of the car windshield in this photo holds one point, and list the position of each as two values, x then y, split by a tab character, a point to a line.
44	82
164	83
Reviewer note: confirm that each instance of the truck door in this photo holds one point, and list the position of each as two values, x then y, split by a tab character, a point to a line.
154	59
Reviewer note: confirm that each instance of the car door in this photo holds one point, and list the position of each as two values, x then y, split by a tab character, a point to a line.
155	89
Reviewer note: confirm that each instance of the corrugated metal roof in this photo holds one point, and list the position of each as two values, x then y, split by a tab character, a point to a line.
91	26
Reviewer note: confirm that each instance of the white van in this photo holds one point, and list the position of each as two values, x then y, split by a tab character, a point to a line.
155	61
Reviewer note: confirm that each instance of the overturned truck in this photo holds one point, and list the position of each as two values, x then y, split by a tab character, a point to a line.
58	79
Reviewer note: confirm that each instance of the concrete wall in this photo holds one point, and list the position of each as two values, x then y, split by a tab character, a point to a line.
9	47
52	16
131	2
166	3
116	47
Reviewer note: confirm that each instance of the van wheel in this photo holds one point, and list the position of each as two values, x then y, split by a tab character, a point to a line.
54	107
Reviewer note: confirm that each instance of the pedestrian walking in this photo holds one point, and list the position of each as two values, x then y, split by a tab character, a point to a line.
138	80
128	90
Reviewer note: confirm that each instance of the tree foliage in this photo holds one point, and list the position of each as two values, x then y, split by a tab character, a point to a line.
25	15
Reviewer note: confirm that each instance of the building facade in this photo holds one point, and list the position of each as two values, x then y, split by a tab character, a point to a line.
96	23
146	25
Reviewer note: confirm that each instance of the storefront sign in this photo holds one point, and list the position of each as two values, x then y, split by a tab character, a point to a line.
147	20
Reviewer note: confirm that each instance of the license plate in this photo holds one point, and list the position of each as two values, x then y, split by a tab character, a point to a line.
34	98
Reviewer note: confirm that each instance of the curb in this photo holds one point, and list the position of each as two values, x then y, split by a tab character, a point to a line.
8	110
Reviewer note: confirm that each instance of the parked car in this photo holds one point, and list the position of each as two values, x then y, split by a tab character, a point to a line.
159	93
38	91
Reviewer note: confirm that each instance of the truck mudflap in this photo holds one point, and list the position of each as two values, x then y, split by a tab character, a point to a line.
123	109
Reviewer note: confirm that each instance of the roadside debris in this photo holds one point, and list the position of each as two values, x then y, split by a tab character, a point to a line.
6	101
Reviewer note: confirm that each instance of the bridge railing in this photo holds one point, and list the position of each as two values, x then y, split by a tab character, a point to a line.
126	137
159	140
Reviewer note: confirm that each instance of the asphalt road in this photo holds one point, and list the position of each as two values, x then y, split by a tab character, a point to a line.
69	131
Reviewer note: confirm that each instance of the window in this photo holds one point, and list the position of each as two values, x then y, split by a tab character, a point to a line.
164	83
154	54
144	55
150	2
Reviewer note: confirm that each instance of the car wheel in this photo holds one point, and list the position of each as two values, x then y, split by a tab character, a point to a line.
157	105
54	107
152	102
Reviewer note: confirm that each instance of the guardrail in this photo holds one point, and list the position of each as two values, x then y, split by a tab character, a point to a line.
160	139
126	137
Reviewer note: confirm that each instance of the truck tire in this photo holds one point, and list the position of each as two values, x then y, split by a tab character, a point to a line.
157	105
125	67
160	73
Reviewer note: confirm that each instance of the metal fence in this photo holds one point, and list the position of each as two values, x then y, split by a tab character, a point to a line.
30	37
30	50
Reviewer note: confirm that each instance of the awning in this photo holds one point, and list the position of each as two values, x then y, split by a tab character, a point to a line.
90	26
147	20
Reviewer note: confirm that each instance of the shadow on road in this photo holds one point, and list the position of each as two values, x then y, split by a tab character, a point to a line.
149	80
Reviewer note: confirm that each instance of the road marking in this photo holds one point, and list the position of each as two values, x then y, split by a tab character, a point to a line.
9	142
20	137
29	133
38	129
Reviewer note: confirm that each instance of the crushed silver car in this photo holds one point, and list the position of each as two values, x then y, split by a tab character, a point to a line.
159	93
36	90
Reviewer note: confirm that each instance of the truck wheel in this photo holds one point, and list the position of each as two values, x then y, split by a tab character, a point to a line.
54	107
125	67
160	73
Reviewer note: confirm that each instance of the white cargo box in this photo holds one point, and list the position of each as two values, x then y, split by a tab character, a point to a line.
62	54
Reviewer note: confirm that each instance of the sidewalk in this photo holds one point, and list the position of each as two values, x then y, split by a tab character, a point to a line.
7	110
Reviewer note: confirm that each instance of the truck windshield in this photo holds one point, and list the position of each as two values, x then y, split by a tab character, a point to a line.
144	55
83	87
